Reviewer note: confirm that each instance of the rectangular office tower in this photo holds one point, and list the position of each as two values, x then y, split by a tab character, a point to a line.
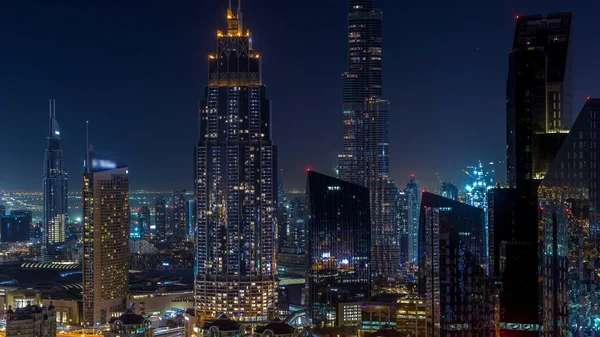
54	190
539	92
105	238
339	246
15	227
365	157
235	184
569	232
461	299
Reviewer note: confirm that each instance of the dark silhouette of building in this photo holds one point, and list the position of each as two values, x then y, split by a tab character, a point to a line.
539	115
461	298
105	238
15	227
160	214
339	245
177	217
568	232
539	94
236	183
449	191
365	156
55	204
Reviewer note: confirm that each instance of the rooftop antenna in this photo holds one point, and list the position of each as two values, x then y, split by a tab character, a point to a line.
239	16
229	4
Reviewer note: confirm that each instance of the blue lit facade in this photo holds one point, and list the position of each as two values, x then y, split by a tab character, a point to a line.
236	184
482	181
54	189
15	227
339	246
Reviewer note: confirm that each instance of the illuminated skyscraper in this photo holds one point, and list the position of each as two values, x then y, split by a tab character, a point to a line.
235	183
55	189
413	195
461	299
568	232
365	157
477	189
177	217
339	240
105	238
539	94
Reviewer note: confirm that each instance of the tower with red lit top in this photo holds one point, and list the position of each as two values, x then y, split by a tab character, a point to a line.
235	184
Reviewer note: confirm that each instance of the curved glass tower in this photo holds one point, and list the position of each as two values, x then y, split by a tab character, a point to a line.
235	184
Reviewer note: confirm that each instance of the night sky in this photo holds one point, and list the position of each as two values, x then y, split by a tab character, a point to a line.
136	70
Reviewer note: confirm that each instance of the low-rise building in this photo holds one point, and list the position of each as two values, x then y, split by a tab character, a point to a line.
129	324
403	313
31	321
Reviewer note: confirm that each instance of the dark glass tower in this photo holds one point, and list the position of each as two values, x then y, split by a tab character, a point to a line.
339	245
236	183
569	232
55	189
461	299
539	94
160	215
365	157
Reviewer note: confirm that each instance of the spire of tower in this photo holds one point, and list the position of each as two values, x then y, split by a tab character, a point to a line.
53	129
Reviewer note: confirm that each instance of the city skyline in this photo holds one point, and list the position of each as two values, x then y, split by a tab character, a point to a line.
112	100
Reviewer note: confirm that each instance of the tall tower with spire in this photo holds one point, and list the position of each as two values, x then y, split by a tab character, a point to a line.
365	156
54	189
235	183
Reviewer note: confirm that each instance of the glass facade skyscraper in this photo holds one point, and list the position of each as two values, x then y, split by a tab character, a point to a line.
105	238
339	245
569	232
236	184
461	299
539	94
56	207
365	157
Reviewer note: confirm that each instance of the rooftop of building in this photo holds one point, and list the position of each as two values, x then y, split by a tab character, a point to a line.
128	318
278	328
224	323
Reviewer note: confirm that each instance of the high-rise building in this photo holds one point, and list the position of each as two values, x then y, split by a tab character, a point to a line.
449	191
143	217
539	94
539	115
191	218
15	227
177	217
160	214
461	298
482	180
402	219
236	183
105	238
568	232
55	207
413	194
365	157
339	240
